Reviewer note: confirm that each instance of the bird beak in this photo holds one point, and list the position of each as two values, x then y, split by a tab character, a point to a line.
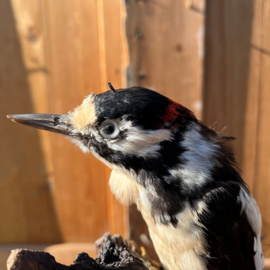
59	123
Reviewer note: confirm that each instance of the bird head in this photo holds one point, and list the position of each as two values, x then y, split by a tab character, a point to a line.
155	141
118	126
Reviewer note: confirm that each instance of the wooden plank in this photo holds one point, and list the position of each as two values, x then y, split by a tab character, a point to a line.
262	169
166	54
5	250
111	31
63	253
236	88
250	139
51	58
26	206
72	58
166	48
227	79
77	63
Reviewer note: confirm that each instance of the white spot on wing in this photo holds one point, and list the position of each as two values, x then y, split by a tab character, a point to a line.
249	205
199	158
255	245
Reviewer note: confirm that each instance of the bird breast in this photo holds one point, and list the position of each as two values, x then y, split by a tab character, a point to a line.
178	247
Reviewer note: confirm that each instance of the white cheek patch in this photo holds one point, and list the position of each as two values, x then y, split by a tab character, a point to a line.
143	143
199	158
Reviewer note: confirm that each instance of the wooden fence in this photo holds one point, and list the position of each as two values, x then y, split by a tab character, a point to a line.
211	56
53	54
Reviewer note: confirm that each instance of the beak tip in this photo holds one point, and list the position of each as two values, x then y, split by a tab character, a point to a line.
12	117
50	122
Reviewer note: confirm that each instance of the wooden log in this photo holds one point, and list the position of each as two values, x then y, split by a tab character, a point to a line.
114	253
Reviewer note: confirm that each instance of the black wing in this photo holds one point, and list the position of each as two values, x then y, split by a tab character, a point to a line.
229	236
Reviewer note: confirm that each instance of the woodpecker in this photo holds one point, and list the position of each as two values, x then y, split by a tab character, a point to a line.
181	175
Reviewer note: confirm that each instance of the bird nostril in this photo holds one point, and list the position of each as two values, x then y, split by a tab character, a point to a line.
56	121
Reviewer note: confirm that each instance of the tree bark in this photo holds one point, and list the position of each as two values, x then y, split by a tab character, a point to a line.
114	253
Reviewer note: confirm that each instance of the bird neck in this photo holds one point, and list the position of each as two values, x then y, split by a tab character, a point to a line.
190	165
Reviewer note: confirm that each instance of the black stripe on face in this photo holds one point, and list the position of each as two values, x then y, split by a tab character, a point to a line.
152	172
167	157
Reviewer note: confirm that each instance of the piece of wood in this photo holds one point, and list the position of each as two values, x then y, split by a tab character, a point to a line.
267	264
262	164
52	56
63	253
73	61
26	205
114	253
73	76
236	86
227	76
166	48
5	250
113	62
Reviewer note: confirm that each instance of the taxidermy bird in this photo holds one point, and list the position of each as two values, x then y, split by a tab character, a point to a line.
181	175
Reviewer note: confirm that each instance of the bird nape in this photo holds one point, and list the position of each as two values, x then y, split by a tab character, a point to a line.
180	173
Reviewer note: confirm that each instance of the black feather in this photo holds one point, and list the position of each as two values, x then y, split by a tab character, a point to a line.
229	236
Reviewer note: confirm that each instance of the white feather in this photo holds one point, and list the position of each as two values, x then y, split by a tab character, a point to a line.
139	142
178	247
199	158
249	206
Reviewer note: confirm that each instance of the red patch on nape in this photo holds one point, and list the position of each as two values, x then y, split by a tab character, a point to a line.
173	111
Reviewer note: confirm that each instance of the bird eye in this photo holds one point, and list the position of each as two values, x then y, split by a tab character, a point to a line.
109	129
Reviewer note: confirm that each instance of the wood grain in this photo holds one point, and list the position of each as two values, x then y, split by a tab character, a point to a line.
166	48
78	66
262	164
166	54
26	205
227	55
114	58
53	54
236	89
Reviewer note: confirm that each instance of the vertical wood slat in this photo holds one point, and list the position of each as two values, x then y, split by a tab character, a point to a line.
79	61
166	54
227	48
262	165
26	206
115	59
73	61
166	48
50	191
236	88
